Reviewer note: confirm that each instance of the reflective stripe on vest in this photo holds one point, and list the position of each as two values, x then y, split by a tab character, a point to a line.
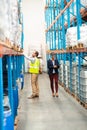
34	67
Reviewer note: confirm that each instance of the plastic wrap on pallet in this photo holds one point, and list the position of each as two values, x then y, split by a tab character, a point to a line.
61	72
83	73
71	36
65	75
13	14
83	84
4	21
9	19
83	41
18	35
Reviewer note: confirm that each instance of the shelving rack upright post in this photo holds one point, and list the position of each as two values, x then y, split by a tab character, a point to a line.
1	95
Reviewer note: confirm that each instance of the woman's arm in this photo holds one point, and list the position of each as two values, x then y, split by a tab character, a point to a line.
49	64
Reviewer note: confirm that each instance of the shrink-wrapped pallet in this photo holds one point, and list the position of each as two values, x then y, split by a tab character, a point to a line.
9	22
3	20
83	35
71	36
18	35
13	14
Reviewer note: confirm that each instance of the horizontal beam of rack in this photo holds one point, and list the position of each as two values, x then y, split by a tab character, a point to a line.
58	16
8	50
67	51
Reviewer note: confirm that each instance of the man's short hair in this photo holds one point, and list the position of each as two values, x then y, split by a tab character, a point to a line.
37	53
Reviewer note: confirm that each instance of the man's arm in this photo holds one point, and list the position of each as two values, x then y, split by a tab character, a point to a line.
32	59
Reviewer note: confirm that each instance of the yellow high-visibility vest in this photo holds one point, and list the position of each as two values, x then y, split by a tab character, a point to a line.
34	67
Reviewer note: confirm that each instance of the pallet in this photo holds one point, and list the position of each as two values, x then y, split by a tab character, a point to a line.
83	104
62	85
8	43
73	94
80	45
69	48
14	47
67	90
76	47
77	98
21	50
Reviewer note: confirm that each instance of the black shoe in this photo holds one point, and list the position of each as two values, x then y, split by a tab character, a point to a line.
37	96
31	97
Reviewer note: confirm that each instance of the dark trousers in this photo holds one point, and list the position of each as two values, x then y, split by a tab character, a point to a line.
54	80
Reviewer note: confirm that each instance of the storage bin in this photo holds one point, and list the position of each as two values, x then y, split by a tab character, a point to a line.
9	125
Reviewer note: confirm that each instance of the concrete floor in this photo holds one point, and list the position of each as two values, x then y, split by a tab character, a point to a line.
48	113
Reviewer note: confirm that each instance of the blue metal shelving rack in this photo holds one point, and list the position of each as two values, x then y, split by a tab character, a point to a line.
61	15
15	63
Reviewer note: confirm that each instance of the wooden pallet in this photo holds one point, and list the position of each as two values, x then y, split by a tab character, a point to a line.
62	85
67	90
73	94
83	104
8	43
76	47
14	47
80	45
77	98
69	48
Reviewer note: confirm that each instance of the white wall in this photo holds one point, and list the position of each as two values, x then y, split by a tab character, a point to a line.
34	25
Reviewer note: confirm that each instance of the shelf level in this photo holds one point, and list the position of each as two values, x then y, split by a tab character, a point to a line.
67	51
6	49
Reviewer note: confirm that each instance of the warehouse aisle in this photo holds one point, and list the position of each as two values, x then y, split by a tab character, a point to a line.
48	113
